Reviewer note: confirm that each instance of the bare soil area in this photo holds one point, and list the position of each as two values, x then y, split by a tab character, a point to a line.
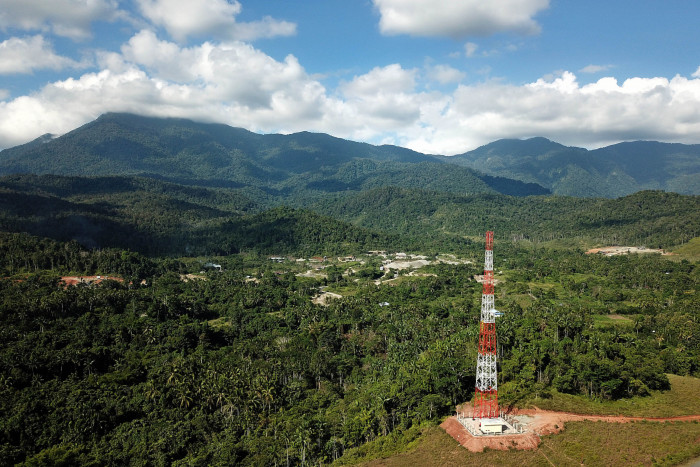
625	250
90	280
419	263
538	422
325	297
528	440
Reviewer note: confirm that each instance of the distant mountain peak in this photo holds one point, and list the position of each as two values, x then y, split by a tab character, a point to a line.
215	154
612	171
512	146
283	168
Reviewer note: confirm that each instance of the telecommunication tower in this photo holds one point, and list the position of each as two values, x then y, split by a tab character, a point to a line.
486	388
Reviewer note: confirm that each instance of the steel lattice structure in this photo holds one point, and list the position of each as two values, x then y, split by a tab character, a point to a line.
486	390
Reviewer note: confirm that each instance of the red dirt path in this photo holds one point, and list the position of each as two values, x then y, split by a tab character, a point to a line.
541	422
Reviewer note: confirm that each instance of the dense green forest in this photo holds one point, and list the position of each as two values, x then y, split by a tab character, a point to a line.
161	218
306	165
209	337
651	218
284	169
612	171
240	367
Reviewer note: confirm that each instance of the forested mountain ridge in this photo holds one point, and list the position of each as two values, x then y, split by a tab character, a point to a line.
651	218
130	144
304	166
609	172
160	218
281	169
157	217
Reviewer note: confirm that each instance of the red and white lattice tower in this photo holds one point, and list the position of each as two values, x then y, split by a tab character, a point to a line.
486	388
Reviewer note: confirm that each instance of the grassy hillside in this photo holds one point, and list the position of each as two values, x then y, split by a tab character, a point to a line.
582	443
690	250
680	400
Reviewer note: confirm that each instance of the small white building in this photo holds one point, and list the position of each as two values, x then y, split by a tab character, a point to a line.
492	425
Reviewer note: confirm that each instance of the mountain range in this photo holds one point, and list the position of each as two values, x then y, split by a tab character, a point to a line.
173	186
163	218
306	167
609	172
274	169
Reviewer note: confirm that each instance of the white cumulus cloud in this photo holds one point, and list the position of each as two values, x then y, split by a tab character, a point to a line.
233	71
183	19
381	100
459	18
232	83
237	84
389	79
25	55
559	108
67	18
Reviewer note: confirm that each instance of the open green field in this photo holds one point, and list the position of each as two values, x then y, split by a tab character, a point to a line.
689	251
581	443
615	320
682	399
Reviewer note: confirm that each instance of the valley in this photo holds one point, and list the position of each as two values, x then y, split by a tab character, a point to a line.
176	293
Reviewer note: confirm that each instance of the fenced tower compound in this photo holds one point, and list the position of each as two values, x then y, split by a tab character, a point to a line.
486	388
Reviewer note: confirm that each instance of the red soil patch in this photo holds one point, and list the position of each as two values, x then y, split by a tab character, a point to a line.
92	280
540	422
620	317
455	429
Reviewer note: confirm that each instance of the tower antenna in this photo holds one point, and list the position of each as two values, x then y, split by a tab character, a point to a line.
486	388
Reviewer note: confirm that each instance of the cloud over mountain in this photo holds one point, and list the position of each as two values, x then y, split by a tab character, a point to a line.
197	59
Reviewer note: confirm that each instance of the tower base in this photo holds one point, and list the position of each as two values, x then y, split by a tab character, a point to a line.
489	426
500	424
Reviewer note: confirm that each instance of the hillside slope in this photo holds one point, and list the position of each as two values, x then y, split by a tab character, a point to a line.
290	169
651	218
159	218
608	172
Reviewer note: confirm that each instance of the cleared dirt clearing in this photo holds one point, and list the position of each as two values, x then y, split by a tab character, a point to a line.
538	423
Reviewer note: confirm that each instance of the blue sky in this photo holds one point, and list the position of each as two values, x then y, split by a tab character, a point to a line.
436	76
